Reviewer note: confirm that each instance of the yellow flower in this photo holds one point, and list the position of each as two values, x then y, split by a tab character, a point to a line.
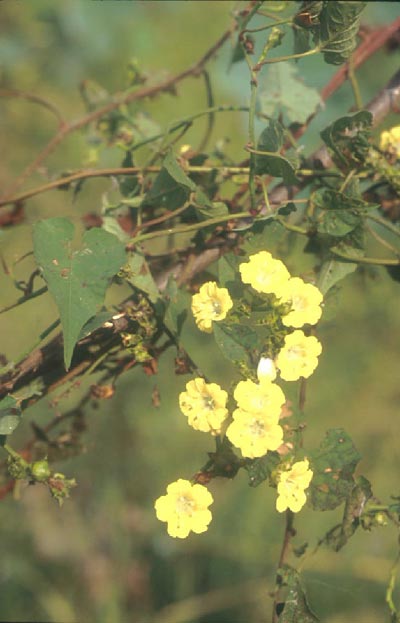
265	398
264	273
210	304
291	487
299	356
184	508
304	299
390	141
204	404
254	433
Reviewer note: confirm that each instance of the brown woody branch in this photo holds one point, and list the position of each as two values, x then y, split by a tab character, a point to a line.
118	100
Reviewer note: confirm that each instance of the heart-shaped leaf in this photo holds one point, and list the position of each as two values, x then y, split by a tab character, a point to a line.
77	280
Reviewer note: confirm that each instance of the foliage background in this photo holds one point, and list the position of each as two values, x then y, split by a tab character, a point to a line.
104	557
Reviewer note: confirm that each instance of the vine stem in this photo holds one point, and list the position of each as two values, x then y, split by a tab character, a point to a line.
108	172
288	534
354	83
390	588
288	57
366	260
184	229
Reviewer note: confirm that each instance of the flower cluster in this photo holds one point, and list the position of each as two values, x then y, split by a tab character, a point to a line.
253	427
302	304
390	141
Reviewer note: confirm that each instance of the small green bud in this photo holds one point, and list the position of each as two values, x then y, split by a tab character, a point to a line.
381	519
40	471
18	468
275	37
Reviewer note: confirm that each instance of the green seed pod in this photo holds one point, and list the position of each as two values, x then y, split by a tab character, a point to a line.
40	471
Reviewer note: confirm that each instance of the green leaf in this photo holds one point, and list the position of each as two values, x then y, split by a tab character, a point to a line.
237	53
354	507
286	93
333	464
338	214
139	276
332	271
94	323
268	234
296	609
208	209
143	126
353	244
217	209
178	304
128	184
348	137
260	469
287	209
272	163
77	280
336	34
228	269
228	274
301	40
171	187
237	342
111	225
10	415
337	222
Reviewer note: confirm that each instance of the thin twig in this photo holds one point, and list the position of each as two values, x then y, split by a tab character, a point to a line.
36	99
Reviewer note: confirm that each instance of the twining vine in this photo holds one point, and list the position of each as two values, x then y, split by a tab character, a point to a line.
264	319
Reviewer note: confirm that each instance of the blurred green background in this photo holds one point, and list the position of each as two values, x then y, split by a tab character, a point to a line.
104	557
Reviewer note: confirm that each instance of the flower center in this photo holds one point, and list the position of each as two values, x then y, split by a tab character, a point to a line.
216	306
298	303
208	403
184	505
295	352
256	428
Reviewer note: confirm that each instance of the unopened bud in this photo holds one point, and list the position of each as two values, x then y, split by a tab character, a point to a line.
266	370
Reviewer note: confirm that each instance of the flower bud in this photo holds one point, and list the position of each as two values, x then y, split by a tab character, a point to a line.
266	370
40	471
